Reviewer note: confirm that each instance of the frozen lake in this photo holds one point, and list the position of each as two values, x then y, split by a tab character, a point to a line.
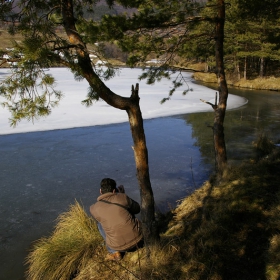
71	113
48	165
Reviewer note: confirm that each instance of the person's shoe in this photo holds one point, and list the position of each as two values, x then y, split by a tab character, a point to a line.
114	257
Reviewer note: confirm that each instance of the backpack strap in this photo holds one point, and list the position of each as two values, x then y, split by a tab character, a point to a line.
105	201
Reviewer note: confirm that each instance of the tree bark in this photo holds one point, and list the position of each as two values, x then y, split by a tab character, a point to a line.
141	159
261	67
237	69
245	68
218	128
131	105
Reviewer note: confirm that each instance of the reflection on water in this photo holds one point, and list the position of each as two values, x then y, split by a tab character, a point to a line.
43	173
242	126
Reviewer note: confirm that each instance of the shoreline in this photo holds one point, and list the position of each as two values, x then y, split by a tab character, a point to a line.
267	83
270	83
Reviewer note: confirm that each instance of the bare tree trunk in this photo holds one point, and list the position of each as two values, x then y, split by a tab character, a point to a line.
261	67
218	128
131	105
245	69
238	70
141	159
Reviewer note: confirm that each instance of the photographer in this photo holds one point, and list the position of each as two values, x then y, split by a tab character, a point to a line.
114	212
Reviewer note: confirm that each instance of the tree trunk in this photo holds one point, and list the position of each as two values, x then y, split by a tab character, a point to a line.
261	67
131	105
218	128
238	70
245	69
141	159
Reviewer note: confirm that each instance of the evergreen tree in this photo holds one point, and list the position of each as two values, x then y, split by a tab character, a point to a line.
252	39
54	33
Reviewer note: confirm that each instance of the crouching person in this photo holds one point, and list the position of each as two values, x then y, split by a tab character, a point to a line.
114	212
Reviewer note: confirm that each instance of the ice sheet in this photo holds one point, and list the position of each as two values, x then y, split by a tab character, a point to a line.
71	113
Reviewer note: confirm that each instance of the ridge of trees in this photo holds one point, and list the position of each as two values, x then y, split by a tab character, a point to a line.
252	40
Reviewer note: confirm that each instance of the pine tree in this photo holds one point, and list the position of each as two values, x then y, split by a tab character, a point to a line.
252	38
55	34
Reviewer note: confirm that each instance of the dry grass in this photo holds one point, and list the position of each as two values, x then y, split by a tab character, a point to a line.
7	40
234	232
268	83
205	77
229	231
74	241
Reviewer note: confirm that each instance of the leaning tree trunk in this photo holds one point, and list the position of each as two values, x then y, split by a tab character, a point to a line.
131	105
218	128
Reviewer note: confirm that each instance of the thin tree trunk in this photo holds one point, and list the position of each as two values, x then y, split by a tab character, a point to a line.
238	70
131	105
218	128
141	159
245	69
261	67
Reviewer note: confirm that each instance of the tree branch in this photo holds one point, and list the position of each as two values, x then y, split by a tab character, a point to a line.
214	106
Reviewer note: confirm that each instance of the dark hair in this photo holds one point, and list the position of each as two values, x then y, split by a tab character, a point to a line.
108	185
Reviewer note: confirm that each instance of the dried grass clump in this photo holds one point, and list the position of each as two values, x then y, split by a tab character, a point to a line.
62	255
263	145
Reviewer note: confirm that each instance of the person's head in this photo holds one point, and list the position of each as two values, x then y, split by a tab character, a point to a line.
107	185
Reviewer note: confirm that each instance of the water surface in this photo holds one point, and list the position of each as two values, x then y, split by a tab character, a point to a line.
42	173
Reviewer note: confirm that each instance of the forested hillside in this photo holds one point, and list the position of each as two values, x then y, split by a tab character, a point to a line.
251	45
102	9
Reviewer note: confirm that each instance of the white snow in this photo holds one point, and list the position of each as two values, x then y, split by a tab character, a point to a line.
71	113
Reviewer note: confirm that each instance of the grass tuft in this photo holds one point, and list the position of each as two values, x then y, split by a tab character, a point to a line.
62	255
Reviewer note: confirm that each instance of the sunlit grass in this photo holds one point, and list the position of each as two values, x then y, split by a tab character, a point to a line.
60	256
267	83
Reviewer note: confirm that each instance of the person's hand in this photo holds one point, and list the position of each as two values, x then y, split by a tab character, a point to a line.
121	188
